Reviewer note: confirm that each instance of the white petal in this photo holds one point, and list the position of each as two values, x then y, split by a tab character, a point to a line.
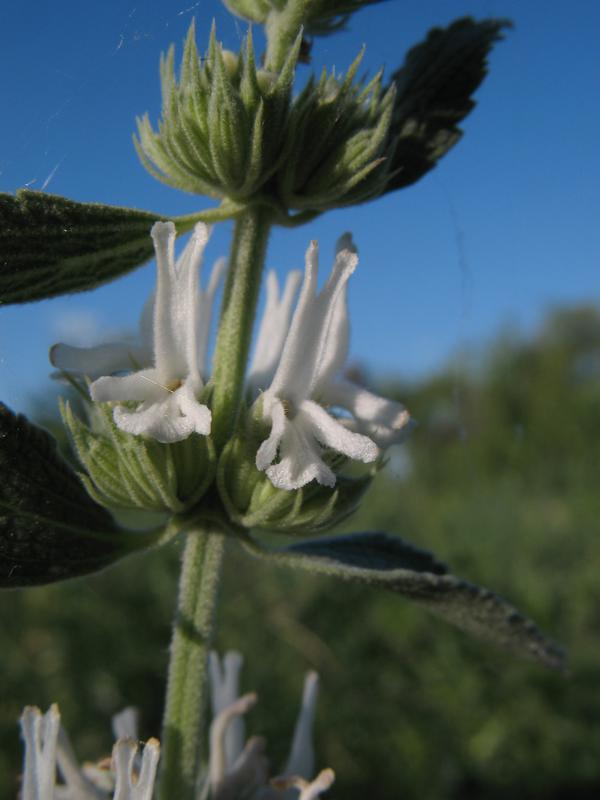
105	359
333	342
224	685
175	308
273	329
40	734
300	458
307	356
78	785
125	723
336	343
141	386
301	760
127	787
198	415
144	788
331	433
160	420
217	766
321	784
147	324
385	421
249	773
272	409
345	242
294	352
205	302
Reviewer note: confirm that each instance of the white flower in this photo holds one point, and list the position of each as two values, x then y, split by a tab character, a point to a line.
171	352
273	329
106	359
47	747
40	734
306	382
238	770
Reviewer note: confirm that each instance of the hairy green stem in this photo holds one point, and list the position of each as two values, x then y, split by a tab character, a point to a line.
248	250
187	681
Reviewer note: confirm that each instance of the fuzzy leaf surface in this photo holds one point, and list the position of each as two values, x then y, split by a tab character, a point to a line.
388	562
50	245
434	91
50	529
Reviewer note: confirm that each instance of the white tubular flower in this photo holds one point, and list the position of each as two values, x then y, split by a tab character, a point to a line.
305	385
47	747
244	773
106	359
129	784
301	760
273	330
225	689
41	735
166	393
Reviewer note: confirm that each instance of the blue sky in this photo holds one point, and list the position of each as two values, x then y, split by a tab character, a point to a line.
506	227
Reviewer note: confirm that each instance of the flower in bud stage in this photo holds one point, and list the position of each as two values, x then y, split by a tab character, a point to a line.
222	127
337	153
165	394
306	385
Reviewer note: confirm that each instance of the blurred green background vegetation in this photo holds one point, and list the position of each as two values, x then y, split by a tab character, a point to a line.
500	480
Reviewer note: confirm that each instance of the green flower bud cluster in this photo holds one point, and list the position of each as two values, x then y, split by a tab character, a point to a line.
319	17
338	138
232	131
135	472
251	500
223	123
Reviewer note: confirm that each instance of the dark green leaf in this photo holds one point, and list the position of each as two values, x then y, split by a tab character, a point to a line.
50	245
50	529
433	93
330	16
388	562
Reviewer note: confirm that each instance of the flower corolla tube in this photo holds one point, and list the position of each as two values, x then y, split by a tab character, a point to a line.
160	398
296	377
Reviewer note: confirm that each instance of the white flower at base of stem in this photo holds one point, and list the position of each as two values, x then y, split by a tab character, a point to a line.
236	769
47	746
306	382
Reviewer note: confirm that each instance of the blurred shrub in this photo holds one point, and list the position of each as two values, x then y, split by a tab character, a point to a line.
500	479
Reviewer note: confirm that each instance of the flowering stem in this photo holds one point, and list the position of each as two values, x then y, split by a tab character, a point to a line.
187	681
248	250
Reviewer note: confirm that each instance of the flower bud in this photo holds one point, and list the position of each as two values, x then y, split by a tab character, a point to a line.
134	472
222	127
251	500
338	141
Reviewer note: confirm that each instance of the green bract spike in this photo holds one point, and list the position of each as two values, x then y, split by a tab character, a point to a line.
134	472
253	502
223	122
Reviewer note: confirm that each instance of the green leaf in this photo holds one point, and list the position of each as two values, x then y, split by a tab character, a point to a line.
50	529
433	93
50	245
389	562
